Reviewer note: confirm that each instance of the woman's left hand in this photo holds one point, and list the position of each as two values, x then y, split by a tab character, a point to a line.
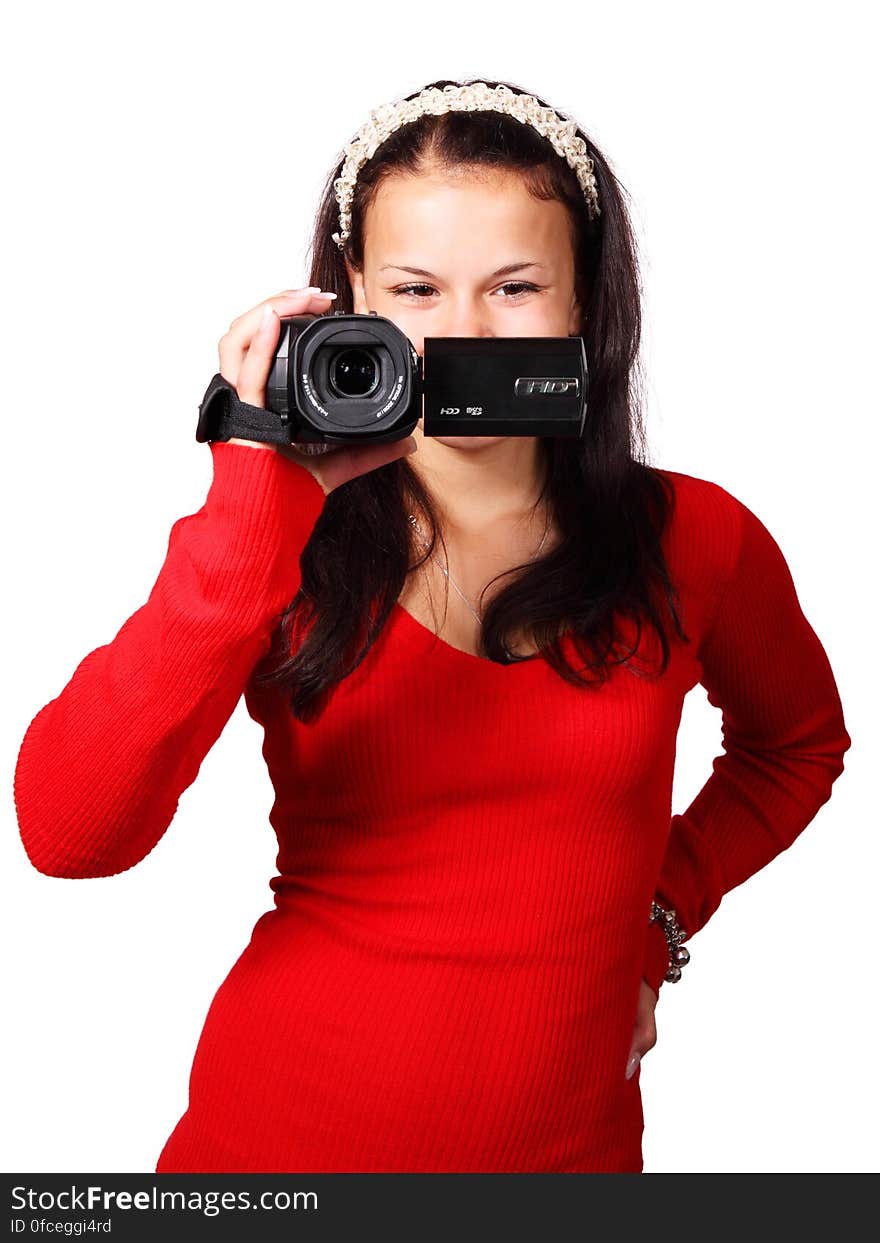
645	1030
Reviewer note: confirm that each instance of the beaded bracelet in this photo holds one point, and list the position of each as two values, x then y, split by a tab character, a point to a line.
675	934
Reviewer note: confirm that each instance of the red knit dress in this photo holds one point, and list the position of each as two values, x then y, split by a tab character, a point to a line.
449	975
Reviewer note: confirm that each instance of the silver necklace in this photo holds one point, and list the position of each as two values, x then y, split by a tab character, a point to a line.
449	577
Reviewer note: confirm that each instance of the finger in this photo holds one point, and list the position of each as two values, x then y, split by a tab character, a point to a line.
645	1031
233	346
256	365
644	1039
249	319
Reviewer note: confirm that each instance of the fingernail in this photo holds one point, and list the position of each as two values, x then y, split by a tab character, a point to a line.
323	293
631	1065
266	318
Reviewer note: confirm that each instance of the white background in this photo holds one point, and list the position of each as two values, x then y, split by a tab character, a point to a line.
162	165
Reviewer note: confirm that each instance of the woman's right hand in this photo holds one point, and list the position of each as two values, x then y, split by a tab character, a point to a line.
246	355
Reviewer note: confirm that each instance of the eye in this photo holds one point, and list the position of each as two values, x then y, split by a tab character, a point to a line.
524	287
409	289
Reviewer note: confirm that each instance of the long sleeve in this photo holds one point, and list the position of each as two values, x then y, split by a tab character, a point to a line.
101	767
783	738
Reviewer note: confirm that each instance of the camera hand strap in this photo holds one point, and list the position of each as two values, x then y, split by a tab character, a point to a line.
222	415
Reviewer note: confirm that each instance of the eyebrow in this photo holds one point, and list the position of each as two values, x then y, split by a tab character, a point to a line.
505	271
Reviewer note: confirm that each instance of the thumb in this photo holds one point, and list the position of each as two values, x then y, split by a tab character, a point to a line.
632	1065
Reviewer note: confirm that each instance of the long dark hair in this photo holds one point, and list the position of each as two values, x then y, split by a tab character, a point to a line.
610	505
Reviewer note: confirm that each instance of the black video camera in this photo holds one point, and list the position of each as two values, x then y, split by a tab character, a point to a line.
357	378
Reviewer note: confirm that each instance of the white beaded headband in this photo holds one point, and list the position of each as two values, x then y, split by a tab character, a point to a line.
477	97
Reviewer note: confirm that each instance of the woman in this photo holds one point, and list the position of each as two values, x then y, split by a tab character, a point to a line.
480	887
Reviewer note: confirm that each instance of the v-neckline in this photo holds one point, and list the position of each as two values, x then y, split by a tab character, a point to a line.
431	640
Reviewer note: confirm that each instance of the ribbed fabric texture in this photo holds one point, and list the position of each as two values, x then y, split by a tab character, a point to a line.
448	978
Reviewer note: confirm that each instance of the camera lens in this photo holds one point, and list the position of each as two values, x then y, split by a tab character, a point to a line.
353	373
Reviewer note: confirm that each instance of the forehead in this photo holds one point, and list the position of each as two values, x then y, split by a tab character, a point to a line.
465	213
